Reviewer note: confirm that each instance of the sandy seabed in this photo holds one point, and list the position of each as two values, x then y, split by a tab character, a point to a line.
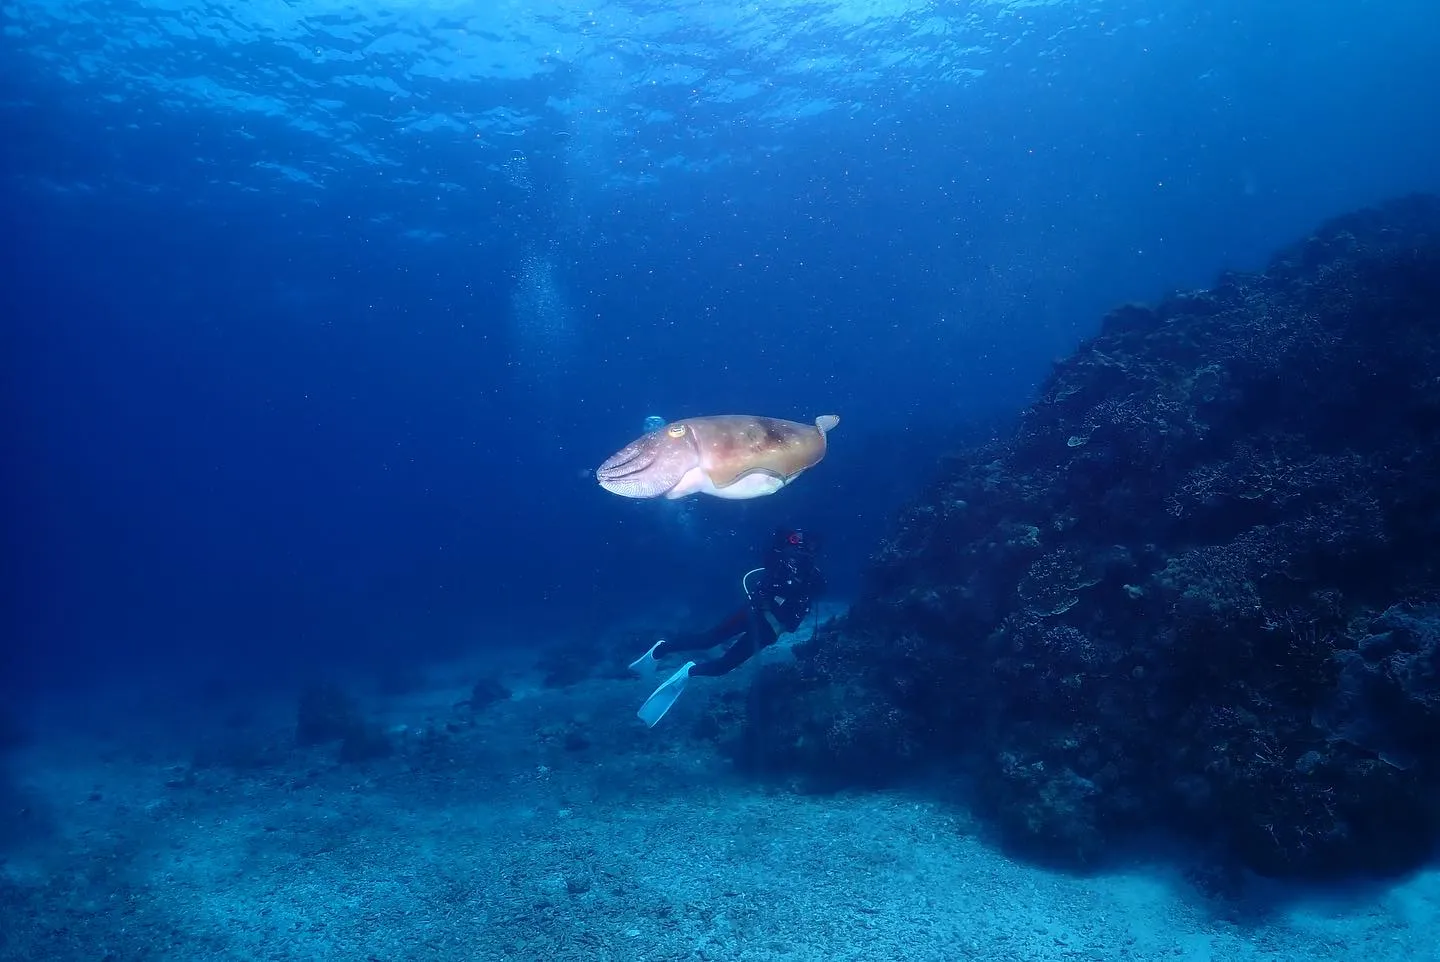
555	827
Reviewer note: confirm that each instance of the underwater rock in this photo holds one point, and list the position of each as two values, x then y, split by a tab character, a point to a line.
486	692
1387	698
13	733
325	714
570	664
328	714
1195	590
365	742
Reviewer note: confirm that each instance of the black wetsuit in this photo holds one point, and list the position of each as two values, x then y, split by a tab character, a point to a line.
781	595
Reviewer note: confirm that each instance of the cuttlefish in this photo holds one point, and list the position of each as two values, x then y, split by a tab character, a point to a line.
736	456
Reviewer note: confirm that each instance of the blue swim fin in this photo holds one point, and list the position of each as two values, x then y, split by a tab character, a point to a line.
647	664
659	703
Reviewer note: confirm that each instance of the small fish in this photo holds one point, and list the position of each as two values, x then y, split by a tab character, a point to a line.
735	456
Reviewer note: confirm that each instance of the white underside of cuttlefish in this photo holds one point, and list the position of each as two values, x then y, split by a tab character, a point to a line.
733	456
756	484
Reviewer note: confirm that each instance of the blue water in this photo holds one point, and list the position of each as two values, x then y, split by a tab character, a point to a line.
318	316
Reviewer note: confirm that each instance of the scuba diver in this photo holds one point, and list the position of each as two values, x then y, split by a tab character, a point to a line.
779	597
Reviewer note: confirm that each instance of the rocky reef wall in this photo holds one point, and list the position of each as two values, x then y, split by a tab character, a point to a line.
1198	589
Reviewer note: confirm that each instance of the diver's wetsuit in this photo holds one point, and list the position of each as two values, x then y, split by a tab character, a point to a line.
781	595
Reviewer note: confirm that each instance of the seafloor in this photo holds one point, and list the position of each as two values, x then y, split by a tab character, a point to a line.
553	826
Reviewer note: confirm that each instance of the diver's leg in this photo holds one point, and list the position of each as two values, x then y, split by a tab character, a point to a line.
731	626
726	629
759	635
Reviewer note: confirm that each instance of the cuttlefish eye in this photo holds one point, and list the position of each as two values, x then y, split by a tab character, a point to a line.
676	430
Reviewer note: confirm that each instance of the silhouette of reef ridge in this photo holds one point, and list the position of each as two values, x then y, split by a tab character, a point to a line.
1198	589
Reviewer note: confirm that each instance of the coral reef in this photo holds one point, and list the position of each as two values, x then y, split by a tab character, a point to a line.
1196	588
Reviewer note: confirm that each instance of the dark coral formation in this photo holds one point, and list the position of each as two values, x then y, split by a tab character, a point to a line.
1198	588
